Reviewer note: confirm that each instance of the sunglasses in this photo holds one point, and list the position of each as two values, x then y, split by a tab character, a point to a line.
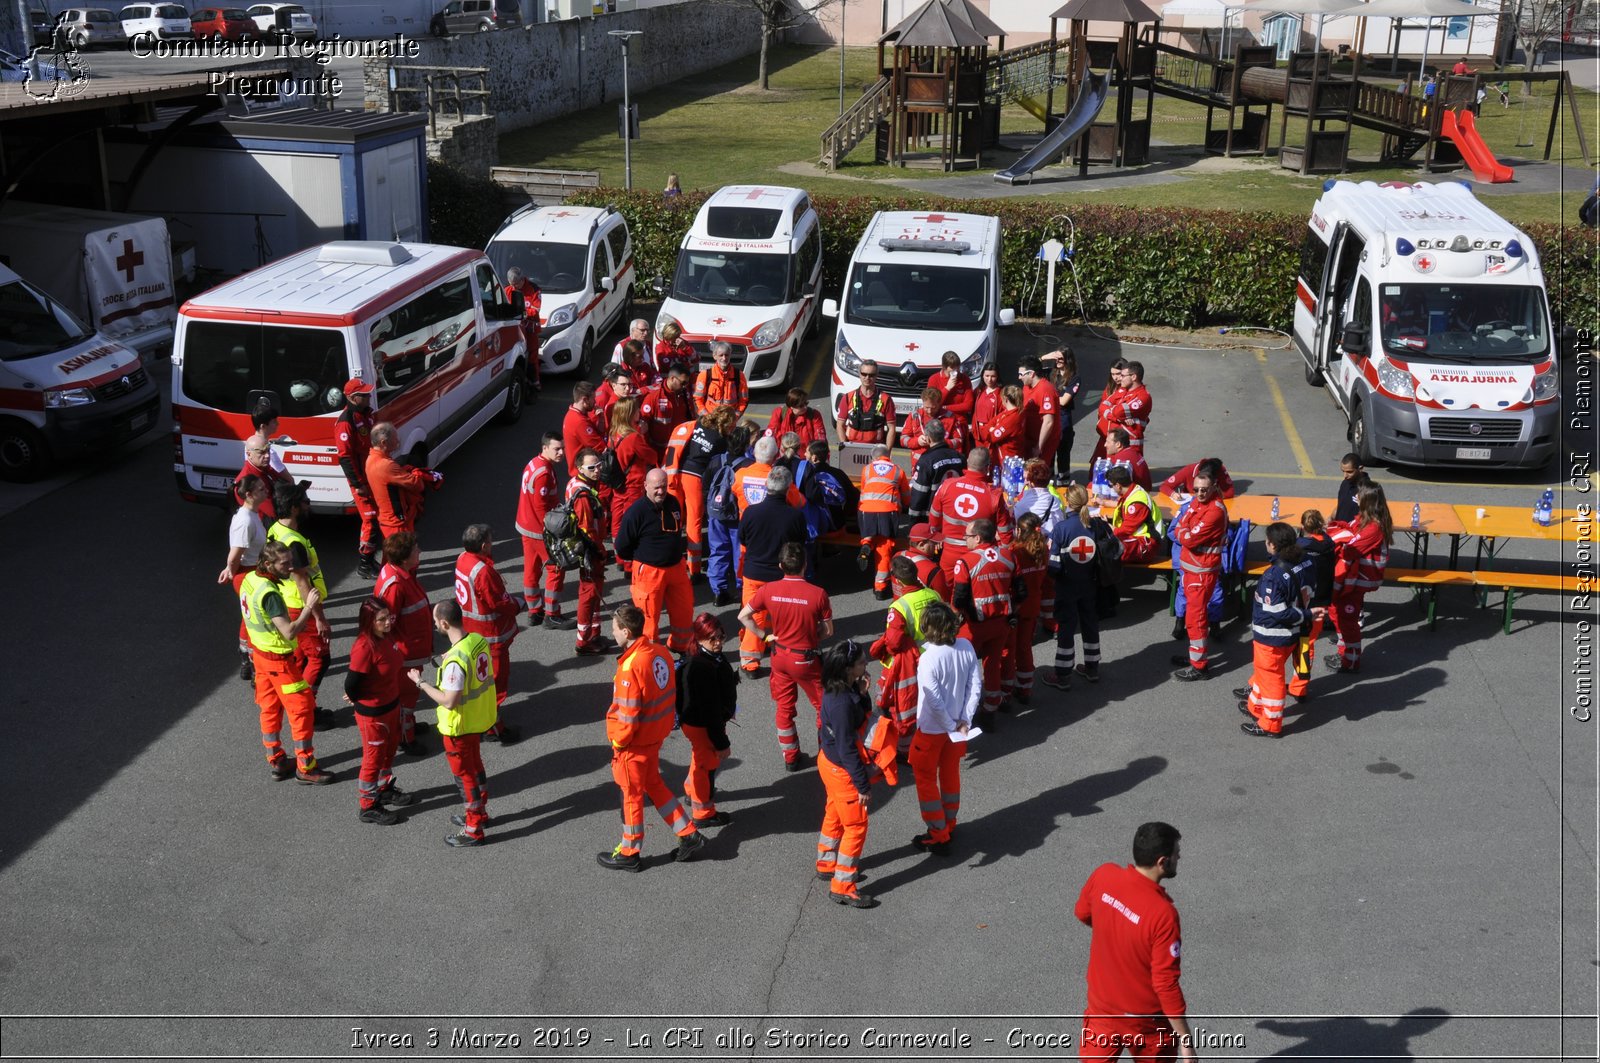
869	376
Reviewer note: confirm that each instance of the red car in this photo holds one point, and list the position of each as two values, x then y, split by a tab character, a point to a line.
223	24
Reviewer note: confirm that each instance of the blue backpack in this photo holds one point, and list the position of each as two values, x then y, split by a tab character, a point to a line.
721	503
829	516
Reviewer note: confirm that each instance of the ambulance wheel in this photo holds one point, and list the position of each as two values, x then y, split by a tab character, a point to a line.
24	454
515	394
585	358
1314	376
1361	436
627	308
788	370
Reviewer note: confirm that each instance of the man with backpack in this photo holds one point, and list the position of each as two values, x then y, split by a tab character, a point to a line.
580	544
539	495
1074	564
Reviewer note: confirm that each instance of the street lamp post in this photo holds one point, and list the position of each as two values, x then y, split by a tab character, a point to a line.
623	37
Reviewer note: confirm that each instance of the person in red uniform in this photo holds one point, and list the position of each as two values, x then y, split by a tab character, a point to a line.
885	493
1131	410
797	416
983	589
352	440
487	610
580	427
1120	451
617	385
955	389
1361	549
1135	521
672	349
666	406
636	457
913	431
1109	398
1041	411
1033	553
1135	956
588	498
519	283
399	590
923	552
958	502
259	462
396	488
866	415
1182	481
1200	532
722	384
1006	435
372	688
540	493
801	617
650	536
986	398
638	721
640	370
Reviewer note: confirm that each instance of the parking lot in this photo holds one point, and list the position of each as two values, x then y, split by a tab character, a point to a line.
1409	873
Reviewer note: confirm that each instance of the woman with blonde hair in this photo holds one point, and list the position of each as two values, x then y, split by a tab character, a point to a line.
1362	551
635	456
672	349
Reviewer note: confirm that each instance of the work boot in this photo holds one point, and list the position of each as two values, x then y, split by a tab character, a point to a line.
1024	697
1179	660
1244	707
1241	692
561	623
925	843
506	734
460	819
724	597
883	594
1179	629
854	900
617	862
827	876
247	668
1053	678
463	840
535	619
393	795
688	846
1091	672
1336	663
314	777
379	815
1255	730
1190	674
592	648
864	558
281	769
716	819
367	567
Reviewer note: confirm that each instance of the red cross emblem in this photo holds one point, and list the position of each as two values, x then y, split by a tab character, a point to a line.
1424	264
912	347
130	259
1081	549
757	193
719	321
937	218
564	214
481	665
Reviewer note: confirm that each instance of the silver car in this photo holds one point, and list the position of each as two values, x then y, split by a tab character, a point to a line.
89	27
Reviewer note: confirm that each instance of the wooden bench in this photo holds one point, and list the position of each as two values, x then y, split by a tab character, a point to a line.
1509	583
544	187
1425	584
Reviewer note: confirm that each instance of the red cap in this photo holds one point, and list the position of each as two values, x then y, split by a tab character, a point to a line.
921	531
355	386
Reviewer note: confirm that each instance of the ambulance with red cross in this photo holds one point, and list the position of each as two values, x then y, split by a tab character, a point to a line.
920	283
1424	314
749	272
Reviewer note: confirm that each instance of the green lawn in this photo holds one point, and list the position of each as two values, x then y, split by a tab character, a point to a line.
717	128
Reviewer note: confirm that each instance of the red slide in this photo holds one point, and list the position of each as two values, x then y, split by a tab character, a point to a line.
1462	127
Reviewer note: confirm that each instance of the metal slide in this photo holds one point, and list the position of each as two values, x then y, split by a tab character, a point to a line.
1084	110
1462	128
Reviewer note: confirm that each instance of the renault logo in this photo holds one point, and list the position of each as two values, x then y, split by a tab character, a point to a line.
908	375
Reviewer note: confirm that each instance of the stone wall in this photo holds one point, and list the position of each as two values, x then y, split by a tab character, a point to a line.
556	68
471	146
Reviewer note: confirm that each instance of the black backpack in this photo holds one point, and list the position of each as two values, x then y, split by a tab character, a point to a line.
611	473
564	541
1107	552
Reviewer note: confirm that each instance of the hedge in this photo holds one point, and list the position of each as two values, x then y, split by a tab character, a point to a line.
1172	267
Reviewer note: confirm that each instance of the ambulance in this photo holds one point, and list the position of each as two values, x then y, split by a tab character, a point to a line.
1424	314
748	273
65	388
919	284
429	327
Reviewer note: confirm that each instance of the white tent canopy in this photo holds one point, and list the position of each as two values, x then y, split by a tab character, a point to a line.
1421	9
1319	8
1197	12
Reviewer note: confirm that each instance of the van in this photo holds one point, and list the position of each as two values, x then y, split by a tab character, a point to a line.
64	388
748	273
429	327
1424	314
918	285
581	259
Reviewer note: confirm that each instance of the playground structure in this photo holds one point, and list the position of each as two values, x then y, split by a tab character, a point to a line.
1320	97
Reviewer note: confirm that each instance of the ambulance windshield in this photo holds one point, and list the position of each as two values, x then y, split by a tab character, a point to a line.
554	268
731	278
1464	322
904	296
32	324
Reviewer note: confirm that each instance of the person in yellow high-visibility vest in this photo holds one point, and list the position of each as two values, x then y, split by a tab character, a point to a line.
312	651
463	693
281	688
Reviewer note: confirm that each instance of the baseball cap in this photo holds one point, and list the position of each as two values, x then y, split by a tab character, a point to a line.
356	386
921	531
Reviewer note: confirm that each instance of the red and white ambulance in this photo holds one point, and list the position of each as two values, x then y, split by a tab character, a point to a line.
1424	314
429	327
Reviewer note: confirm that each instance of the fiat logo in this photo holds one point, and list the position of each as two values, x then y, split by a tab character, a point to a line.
908	374
1475	428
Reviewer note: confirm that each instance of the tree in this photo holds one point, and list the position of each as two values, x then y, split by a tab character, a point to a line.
1539	22
779	15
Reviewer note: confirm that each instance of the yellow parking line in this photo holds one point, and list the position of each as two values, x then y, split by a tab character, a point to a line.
1295	444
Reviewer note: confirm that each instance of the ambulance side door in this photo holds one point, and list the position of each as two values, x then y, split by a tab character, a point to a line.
1339	282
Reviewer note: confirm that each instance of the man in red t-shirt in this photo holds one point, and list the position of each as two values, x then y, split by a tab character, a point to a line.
540	493
487	610
1041	408
801	618
581	428
1135	955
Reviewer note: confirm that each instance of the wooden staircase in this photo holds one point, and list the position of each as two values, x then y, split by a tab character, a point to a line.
858	122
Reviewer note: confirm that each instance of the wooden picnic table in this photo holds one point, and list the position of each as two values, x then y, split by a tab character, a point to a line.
1490	524
1436	518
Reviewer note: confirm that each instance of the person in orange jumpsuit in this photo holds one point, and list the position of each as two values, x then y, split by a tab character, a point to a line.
958	502
900	646
842	762
801	616
650	537
1363	553
710	695
866	415
519	283
1281	610
1033	554
640	719
1200	531
983	592
397	489
281	690
749	488
885	492
1318	565
723	384
949	691
487	610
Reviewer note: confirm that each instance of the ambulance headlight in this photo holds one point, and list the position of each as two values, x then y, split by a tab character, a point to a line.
844	357
767	335
1545	386
973	364
1395	381
60	398
663	320
560	317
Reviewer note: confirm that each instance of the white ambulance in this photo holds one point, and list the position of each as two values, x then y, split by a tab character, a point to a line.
748	273
919	284
1424	313
429	327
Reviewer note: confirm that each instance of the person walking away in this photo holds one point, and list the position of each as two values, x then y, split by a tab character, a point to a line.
281	689
651	538
1362	547
984	592
885	492
372	688
961	500
1033	553
801	617
539	494
1316	569
1076	571
842	764
464	697
1281	610
710	697
402	594
1200	531
950	686
352	440
312	649
638	721
1135	945
246	535
722	512
708	440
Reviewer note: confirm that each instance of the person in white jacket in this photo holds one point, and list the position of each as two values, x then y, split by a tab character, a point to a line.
950	689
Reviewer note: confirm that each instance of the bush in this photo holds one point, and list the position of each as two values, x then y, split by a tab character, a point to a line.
463	211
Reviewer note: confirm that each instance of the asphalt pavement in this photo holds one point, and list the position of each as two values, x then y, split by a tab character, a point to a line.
1409	873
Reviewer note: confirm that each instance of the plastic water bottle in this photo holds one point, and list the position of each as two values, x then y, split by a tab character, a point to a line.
1416	514
1274	507
1545	509
1097	479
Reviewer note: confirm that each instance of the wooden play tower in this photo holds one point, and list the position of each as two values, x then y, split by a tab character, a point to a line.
1124	140
933	62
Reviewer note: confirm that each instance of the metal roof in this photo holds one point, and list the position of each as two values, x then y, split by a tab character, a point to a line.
1106	11
932	25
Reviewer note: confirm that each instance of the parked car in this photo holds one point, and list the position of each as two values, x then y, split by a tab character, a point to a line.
165	22
475	16
89	27
223	24
12	68
42	23
282	22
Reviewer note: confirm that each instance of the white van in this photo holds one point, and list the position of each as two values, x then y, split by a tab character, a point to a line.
64	388
748	273
919	284
581	258
429	327
1424	313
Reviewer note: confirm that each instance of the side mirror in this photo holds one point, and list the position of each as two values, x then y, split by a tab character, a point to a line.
830	308
1356	338
1008	317
607	284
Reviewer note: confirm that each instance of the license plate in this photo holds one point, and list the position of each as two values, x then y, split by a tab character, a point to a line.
215	483
1472	453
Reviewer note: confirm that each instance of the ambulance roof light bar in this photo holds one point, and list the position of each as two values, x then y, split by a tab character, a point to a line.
948	247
